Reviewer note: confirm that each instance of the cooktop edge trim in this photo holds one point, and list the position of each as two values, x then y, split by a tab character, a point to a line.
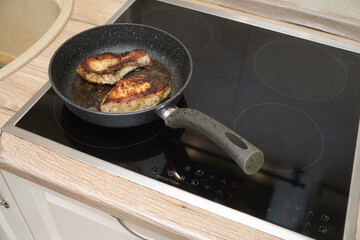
145	181
354	196
265	25
10	125
120	11
158	186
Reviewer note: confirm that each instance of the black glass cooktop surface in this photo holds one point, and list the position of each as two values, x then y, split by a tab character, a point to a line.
296	100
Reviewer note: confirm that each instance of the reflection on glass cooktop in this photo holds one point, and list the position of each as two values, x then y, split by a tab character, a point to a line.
296	100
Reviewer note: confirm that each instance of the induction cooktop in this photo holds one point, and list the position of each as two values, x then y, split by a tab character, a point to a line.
293	95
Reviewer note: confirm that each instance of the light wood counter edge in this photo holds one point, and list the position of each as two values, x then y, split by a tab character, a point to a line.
103	190
117	196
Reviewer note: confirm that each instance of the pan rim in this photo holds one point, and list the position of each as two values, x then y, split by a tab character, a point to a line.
161	105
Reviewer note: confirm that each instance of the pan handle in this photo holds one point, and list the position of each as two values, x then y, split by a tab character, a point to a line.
246	155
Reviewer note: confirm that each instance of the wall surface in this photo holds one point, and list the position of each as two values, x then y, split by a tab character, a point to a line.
339	17
345	8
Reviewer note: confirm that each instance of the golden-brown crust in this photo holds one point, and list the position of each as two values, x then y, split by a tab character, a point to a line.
135	87
135	93
109	61
108	68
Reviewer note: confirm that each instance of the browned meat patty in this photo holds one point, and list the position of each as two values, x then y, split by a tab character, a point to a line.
109	68
135	93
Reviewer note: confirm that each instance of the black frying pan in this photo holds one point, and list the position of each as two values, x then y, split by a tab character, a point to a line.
168	51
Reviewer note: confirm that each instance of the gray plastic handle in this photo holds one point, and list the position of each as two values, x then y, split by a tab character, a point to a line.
246	155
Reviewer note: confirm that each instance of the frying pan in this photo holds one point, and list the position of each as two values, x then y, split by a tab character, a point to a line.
171	53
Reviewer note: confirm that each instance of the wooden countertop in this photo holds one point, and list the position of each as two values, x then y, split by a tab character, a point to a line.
95	187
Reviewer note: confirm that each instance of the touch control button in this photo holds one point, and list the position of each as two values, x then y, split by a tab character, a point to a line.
323	229
170	173
199	172
195	182
325	218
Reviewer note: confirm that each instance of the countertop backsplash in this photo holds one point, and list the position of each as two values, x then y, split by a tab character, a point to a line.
341	18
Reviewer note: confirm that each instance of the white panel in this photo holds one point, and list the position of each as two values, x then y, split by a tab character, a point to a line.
6	232
52	216
12	224
78	221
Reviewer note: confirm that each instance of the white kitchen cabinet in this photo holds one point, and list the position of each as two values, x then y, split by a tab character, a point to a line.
12	224
51	215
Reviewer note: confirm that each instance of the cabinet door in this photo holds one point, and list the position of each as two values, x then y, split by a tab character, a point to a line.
53	216
12	224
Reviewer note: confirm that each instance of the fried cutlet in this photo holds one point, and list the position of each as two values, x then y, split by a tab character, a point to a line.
109	68
135	93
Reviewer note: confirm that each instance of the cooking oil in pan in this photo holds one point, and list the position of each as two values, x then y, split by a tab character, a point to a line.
90	95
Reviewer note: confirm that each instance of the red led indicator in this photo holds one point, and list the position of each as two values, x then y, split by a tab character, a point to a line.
287	204
234	184
283	214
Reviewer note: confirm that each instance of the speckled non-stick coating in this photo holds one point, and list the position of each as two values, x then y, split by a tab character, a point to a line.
119	38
